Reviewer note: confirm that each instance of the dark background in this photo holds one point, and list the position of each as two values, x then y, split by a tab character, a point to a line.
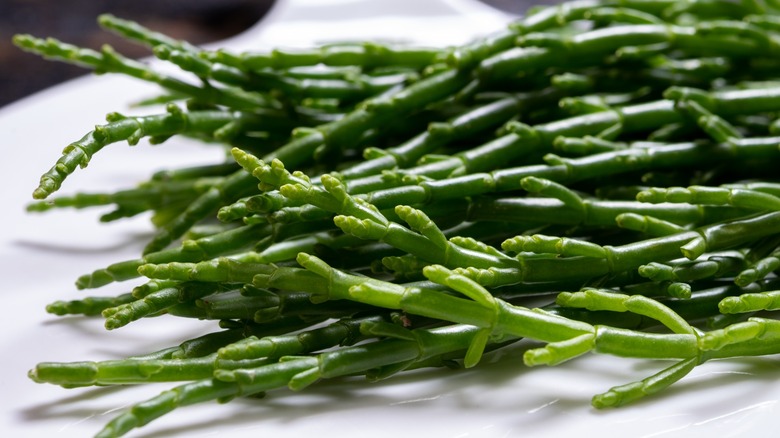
74	21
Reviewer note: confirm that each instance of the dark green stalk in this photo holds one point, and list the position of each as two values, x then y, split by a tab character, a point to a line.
132	129
301	150
109	61
366	55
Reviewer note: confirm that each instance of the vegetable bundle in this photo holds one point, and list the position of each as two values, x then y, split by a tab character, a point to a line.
601	176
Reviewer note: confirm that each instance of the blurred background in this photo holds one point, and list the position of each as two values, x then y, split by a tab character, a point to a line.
74	21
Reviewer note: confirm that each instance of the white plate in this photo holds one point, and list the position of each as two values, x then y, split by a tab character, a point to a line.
41	255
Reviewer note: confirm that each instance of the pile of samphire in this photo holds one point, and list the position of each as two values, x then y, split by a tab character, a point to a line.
384	208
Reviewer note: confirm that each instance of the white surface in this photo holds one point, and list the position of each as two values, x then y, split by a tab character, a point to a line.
41	255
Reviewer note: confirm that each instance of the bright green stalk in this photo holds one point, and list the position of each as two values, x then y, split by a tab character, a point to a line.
751	302
247	353
134	371
740	198
297	372
228	242
566	338
425	241
89	306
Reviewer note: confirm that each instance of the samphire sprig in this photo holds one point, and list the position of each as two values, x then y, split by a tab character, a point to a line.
599	176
